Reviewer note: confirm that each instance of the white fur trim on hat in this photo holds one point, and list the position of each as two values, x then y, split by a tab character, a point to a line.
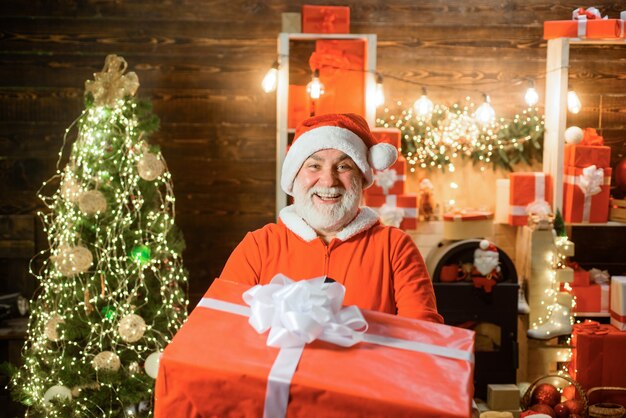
333	137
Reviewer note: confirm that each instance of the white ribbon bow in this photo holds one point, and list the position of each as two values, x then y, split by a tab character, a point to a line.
599	276
590	180
385	179
391	216
582	15
297	313
539	207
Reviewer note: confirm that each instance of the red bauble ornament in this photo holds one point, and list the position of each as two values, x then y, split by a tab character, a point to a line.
575	406
546	394
620	177
543	409
561	410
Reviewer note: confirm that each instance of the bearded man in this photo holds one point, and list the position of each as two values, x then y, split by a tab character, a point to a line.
326	232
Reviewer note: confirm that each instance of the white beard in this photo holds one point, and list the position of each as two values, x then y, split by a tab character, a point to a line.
327	218
486	261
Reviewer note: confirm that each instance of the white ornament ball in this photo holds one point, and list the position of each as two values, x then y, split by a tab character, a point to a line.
106	361
70	189
152	364
484	244
73	260
92	202
57	391
131	328
51	331
150	166
573	135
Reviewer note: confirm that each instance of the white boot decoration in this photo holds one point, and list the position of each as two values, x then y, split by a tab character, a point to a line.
559	322
522	305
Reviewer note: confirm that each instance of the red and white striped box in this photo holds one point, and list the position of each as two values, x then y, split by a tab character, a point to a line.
524	189
618	302
396	210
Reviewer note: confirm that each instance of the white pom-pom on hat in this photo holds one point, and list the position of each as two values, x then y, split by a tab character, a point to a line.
346	132
382	156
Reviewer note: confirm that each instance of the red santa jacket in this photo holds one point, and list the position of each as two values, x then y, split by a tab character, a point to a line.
379	266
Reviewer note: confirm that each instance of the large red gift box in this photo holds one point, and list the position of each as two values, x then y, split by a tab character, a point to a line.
389	181
341	65
618	302
582	156
583	204
404	204
598	355
592	298
524	189
325	19
217	365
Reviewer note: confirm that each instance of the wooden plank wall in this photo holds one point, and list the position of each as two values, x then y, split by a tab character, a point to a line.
201	62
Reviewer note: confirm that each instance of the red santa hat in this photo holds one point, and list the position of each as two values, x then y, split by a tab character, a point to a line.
348	133
485	245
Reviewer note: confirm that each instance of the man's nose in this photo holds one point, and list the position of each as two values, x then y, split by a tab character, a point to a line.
328	178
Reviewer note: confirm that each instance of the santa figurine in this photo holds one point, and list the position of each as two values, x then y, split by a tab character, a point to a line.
486	271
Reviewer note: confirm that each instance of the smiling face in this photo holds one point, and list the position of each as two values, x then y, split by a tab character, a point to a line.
327	190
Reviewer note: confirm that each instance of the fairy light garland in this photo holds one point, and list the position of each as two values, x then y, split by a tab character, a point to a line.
135	276
447	134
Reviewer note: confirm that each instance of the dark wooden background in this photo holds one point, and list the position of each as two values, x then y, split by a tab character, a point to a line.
201	64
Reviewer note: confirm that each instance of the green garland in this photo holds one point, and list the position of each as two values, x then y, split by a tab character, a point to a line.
449	133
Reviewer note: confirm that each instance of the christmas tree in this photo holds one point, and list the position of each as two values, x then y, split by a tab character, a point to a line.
113	288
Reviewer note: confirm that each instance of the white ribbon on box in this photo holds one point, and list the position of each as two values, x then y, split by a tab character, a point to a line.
590	182
297	313
385	179
581	15
540	195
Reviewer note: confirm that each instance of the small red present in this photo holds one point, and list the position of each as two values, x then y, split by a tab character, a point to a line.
341	65
597	355
581	278
325	19
217	365
391	136
525	189
585	23
592	298
586	194
395	210
389	181
618	302
590	151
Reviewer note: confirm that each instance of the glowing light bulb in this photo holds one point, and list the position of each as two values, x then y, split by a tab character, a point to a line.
379	94
485	113
271	79
573	102
531	95
315	88
423	106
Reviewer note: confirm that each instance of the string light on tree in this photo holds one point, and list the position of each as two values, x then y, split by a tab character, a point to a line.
451	133
113	287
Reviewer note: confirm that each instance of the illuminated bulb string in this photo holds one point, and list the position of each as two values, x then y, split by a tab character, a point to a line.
90	304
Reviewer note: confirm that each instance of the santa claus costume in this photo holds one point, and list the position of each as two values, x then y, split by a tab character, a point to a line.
380	266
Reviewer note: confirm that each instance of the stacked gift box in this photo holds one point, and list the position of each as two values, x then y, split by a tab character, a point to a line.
591	290
526	189
387	195
587	179
597	355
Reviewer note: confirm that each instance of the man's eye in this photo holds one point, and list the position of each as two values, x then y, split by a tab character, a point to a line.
345	167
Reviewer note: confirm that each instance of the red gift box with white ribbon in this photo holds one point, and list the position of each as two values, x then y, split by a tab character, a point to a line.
389	181
524	190
585	23
218	364
325	19
395	210
586	194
